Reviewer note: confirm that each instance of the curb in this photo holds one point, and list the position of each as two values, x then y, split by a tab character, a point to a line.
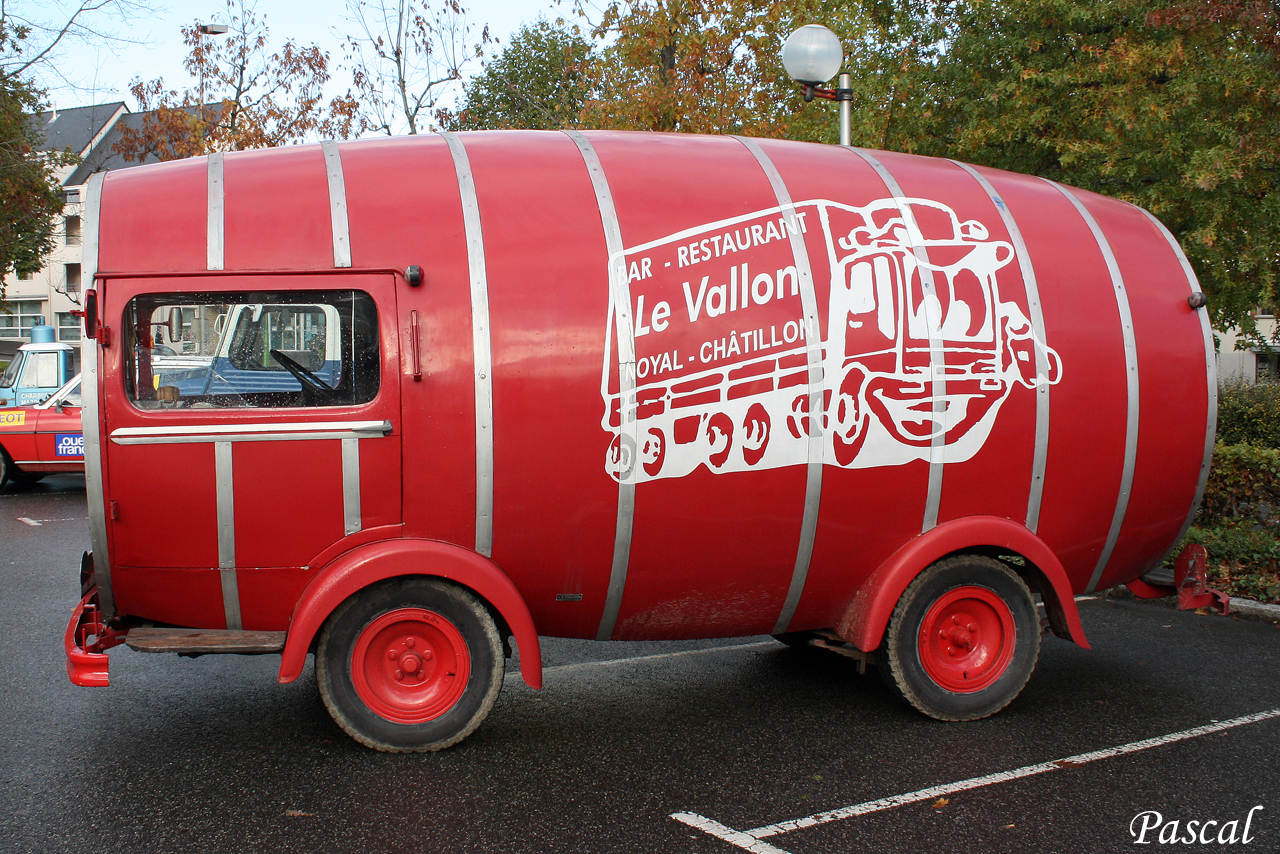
1245	609
1251	610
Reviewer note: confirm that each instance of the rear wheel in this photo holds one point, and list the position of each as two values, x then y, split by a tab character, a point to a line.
963	639
410	664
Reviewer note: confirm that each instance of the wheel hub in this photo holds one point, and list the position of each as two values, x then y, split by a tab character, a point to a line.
410	665
967	639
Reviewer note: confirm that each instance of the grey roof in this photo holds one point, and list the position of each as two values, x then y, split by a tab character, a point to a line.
74	128
102	158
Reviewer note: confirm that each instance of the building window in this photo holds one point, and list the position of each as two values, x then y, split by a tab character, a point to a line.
1267	367
68	326
72	277
72	197
18	316
73	230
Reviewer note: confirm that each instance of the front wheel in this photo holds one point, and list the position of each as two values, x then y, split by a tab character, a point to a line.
410	665
963	639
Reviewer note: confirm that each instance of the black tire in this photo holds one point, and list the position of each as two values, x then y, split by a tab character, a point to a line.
961	675
441	708
7	469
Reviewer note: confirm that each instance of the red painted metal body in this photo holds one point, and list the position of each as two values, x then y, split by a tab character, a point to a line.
788	389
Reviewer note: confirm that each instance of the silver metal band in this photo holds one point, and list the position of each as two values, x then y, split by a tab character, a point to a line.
224	480
215	235
231	599
620	299
817	384
1211	373
937	358
482	352
1041	453
89	390
337	204
352	521
277	432
1131	383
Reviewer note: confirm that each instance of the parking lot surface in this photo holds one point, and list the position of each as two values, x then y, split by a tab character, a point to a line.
670	747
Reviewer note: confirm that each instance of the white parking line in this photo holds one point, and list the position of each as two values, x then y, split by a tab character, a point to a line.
608	661
36	523
750	840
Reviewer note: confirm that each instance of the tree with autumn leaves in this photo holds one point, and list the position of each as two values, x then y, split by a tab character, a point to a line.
253	96
1175	108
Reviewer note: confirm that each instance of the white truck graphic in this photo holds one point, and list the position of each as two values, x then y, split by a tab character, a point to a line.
919	348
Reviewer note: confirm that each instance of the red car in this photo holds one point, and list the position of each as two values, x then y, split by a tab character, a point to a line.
42	439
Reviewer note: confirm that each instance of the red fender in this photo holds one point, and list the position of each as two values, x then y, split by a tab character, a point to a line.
864	621
365	565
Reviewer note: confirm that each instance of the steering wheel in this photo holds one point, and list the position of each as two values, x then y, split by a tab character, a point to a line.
314	389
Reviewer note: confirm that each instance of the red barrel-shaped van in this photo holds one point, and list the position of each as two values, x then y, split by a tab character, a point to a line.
397	402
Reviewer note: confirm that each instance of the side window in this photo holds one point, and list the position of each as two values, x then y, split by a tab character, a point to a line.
277	349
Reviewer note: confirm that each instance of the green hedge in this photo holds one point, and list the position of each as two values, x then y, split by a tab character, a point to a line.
1239	522
1244	483
1249	414
1244	559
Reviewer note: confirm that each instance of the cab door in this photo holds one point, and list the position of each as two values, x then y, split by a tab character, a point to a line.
272	445
59	431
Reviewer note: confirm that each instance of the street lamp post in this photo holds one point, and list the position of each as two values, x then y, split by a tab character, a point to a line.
812	55
206	30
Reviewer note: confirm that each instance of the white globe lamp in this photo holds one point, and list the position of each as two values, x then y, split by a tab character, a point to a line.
812	55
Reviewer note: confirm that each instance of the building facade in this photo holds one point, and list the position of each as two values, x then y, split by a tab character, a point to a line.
53	293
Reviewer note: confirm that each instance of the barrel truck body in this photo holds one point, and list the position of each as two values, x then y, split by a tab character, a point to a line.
463	389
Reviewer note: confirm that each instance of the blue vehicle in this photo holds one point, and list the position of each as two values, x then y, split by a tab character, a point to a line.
39	368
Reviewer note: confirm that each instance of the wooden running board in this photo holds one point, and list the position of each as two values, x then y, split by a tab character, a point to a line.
204	641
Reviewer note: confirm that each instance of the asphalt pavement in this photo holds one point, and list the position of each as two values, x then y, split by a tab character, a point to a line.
749	744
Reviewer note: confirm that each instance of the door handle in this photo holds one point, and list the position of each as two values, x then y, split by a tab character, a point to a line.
414	336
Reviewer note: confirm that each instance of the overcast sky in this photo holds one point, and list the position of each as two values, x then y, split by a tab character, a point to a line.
102	75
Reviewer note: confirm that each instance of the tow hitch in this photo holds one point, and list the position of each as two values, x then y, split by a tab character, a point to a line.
1189	583
88	636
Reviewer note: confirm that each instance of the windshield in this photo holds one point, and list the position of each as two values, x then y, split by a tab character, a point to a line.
11	372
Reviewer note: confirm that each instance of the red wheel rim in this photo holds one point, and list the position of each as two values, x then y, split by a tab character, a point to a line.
967	639
410	665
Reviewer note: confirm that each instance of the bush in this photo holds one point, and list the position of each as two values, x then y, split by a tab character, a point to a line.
1244	559
1249	414
1239	519
1244	483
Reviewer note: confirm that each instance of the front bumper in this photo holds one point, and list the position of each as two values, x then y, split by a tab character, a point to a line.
87	639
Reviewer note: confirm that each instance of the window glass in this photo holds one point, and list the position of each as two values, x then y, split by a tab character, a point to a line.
68	326
261	349
40	370
11	372
18	316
